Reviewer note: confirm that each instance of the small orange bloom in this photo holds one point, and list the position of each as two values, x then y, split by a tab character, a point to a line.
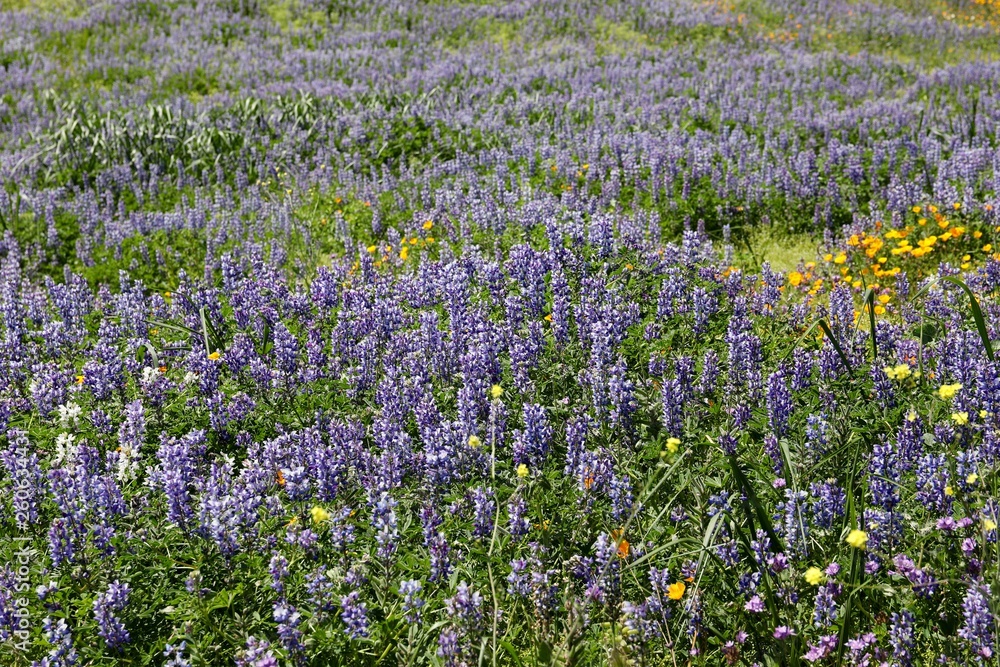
622	543
676	591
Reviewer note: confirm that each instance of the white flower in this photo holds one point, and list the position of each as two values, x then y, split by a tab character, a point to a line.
149	375
190	377
69	414
128	463
65	449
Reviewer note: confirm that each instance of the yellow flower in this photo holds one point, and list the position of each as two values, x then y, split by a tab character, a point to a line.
676	591
960	418
916	209
496	391
79	379
948	391
795	278
319	515
972	478
522	471
371	249
857	539
474	441
898	372
214	356
428	225
404	253
840	258
814	576
989	524
948	491
673	444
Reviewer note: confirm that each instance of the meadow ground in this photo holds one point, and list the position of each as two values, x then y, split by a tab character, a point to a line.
422	332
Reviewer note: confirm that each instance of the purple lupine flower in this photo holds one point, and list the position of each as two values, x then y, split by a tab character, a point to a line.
977	630
884	477
130	439
901	637
823	648
9	614
464	608
531	444
672	295
517	512
672	399
622	499
278	569
885	391
320	590
465	616
385	524
709	372
258	653
109	626
412	603
176	654
484	507
62	653
779	403
621	396
286	351
825	607
793	527
745	352
544	590
518	581
26	477
635	617
441	565
829	503
560	306
705	306
62	546
354	614
449	648
176	474
288	619
932	481
49	387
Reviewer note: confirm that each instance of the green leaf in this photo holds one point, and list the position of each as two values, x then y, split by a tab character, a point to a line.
977	315
836	344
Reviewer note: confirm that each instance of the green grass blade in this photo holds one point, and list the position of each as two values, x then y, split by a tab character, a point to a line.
836	345
977	315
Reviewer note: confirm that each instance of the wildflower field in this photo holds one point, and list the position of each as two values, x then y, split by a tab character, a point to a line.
507	333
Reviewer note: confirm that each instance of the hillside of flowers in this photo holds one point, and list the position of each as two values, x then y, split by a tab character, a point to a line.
471	332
